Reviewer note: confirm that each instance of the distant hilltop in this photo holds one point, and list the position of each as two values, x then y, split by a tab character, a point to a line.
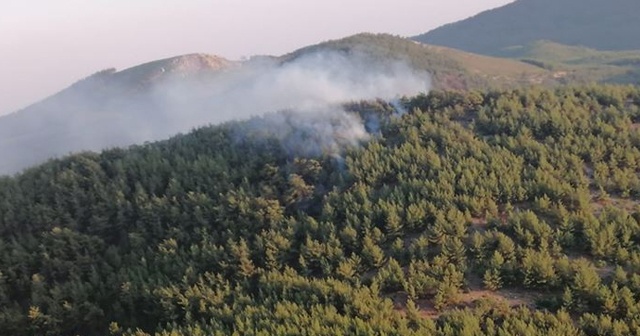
597	24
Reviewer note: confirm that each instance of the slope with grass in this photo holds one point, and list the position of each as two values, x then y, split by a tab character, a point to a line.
580	63
450	69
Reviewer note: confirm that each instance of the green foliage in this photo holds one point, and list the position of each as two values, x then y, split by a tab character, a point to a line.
207	235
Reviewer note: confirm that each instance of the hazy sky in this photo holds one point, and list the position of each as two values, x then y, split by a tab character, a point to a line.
46	45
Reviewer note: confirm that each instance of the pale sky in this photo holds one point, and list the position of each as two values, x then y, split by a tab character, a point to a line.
46	45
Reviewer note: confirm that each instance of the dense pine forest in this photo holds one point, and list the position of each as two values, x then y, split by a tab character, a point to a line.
478	213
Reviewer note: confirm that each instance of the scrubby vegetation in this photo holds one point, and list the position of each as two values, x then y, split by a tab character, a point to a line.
498	213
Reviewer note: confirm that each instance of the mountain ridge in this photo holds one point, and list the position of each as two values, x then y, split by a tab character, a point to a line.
156	99
103	104
450	68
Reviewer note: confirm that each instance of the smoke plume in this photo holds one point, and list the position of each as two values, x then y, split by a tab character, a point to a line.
100	114
307	93
309	134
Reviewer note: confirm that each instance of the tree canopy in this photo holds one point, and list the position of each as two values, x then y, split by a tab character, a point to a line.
499	213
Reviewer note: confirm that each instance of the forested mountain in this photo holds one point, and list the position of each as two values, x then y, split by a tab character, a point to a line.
156	100
597	24
499	213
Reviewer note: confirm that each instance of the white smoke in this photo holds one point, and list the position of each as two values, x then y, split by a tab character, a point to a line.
310	89
311	133
310	82
312	85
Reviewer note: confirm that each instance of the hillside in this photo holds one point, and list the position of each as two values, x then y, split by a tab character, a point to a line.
480	213
159	99
580	63
574	55
597	24
109	108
